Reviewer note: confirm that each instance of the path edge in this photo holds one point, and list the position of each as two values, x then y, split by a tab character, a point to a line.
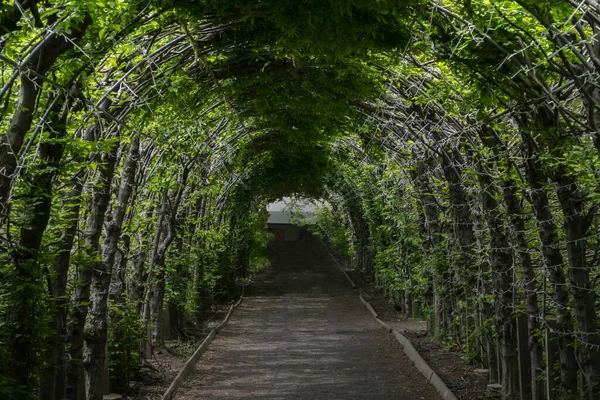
189	365
432	377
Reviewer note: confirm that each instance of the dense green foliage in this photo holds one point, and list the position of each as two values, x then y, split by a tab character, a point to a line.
125	334
457	144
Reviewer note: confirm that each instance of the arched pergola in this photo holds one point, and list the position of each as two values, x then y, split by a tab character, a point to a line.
457	144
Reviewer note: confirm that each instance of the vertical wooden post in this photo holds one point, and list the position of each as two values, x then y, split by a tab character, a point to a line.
552	358
147	344
524	357
106	371
499	370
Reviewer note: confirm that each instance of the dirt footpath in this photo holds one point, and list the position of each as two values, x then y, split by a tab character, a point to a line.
302	333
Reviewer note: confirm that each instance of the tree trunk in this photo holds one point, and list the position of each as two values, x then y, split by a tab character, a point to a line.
157	300
501	262
26	288
81	296
465	275
485	286
164	237
576	224
553	262
432	243
95	359
35	66
135	287
117	284
463	222
517	220
156	278
531	299
361	235
52	381
56	376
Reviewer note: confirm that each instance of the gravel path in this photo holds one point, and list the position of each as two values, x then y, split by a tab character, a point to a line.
302	333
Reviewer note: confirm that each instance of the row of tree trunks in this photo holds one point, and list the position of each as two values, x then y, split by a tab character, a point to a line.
517	220
461	237
516	217
135	289
540	134
92	260
432	235
501	263
53	378
24	317
553	263
576	225
165	234
35	68
96	328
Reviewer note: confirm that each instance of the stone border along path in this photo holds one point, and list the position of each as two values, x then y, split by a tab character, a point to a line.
189	365
300	333
409	349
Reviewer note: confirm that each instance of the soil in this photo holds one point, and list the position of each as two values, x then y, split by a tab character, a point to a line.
302	333
155	377
159	371
458	374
